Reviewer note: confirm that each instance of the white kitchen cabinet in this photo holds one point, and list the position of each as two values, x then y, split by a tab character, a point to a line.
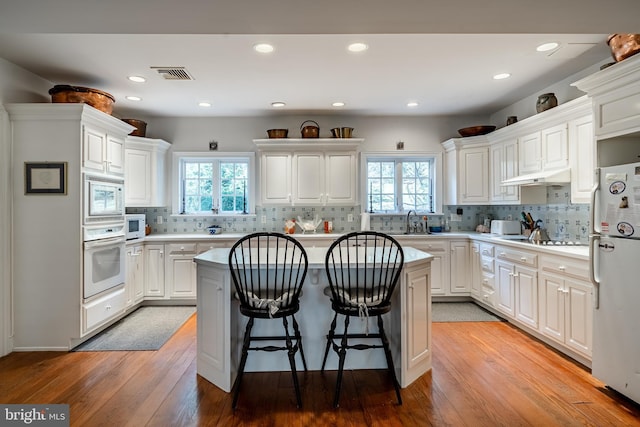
440	264
546	149
530	153
275	178
504	165
134	283
466	171
308	174
102	152
517	285
103	309
482	272
555	147
180	274
416	329
154	283
459	269
582	154
566	309
616	98
145	163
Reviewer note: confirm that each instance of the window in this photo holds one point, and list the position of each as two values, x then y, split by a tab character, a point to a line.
397	184
219	184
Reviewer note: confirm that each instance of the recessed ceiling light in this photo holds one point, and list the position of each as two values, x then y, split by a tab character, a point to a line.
358	47
501	76
263	48
278	104
412	104
137	79
134	98
338	104
204	104
545	47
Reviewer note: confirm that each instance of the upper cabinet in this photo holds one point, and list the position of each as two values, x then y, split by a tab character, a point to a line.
102	152
144	179
616	98
308	171
522	154
466	171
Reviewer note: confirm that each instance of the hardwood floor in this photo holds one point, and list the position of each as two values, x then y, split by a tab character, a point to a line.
484	374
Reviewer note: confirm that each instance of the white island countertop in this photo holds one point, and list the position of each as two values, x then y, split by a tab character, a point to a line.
315	256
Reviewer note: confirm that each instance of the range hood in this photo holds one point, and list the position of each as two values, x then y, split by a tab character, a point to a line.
551	177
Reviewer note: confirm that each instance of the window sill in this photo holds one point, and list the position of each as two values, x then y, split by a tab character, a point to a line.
211	215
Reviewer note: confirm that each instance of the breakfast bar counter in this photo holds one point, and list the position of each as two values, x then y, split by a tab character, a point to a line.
220	325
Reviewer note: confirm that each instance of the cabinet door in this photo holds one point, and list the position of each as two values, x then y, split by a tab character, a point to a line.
308	173
582	155
552	317
137	178
418	314
115	155
497	172
130	277
181	275
459	268
341	174
276	178
476	271
510	193
579	316
474	175
138	282
505	288
93	149
555	147
530	153
154	271
526	284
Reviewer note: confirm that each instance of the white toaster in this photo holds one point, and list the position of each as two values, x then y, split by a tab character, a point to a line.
499	226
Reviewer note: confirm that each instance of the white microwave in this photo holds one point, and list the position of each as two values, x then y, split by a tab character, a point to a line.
103	199
135	226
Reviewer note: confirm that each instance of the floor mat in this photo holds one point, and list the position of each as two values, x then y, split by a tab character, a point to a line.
460	312
147	328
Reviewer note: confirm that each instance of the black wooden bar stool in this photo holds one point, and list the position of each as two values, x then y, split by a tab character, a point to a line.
363	269
268	271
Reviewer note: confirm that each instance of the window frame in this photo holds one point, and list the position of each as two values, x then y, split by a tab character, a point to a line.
179	157
438	174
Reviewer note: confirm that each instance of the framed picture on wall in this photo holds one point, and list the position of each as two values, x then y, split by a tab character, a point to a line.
45	178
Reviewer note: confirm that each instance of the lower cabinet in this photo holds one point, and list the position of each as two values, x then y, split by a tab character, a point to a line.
154	271
103	309
459	267
180	273
566	300
517	285
134	282
440	264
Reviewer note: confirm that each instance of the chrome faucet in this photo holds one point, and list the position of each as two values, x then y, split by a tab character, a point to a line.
408	231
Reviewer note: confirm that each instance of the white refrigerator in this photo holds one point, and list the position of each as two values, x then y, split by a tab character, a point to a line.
615	273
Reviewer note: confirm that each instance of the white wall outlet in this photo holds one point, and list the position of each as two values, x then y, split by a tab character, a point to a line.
349	217
455	218
263	219
159	219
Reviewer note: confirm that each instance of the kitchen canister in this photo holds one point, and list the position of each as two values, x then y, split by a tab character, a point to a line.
546	101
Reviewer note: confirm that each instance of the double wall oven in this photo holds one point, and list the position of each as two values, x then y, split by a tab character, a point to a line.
104	234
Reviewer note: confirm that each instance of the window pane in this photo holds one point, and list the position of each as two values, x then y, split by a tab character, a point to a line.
388	169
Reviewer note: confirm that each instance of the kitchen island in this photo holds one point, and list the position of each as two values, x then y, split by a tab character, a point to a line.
221	326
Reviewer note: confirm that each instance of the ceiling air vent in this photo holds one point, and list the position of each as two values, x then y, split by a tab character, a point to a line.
173	73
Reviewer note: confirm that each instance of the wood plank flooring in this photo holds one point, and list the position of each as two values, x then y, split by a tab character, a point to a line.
484	374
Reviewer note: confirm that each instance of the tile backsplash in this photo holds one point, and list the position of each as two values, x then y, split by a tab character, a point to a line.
563	220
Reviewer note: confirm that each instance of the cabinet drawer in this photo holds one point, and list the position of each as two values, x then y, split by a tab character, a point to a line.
519	257
565	266
486	250
99	311
487	264
181	248
436	246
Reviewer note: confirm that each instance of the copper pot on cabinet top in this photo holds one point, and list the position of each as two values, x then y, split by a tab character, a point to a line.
310	131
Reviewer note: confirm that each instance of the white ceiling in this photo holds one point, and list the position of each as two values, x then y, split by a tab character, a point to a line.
441	56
